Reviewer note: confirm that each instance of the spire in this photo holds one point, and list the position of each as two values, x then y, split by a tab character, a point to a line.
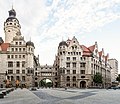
12	5
62	38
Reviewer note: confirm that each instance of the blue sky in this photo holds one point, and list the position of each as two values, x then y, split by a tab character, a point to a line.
46	22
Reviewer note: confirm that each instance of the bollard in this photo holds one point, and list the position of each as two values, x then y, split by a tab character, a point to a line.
1	95
4	93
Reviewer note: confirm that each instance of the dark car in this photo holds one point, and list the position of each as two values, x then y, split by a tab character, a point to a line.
115	87
33	89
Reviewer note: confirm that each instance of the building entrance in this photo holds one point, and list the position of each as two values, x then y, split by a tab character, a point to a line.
82	84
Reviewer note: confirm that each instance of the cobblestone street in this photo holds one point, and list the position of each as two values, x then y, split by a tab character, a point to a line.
61	96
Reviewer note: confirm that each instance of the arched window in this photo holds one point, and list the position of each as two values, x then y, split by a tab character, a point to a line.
74	78
68	78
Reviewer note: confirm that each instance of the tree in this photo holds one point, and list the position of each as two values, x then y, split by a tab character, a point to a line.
97	78
118	78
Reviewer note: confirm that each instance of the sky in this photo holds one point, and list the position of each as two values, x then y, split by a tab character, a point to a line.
48	22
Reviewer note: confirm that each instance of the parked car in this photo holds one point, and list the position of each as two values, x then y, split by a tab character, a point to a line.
33	89
115	87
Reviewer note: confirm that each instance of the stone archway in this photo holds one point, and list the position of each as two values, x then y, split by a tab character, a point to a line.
46	83
83	84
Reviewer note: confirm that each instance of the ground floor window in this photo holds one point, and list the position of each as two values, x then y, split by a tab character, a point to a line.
68	84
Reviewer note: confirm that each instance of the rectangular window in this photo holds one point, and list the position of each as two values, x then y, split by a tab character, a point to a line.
17	77
91	65
20	43
23	49
76	53
19	56
8	56
68	58
23	78
23	63
74	65
16	49
79	53
82	71
84	58
17	71
91	59
74	58
16	43
17	64
74	71
23	71
68	71
10	64
12	49
68	84
23	56
67	65
10	71
15	56
82	65
12	56
20	49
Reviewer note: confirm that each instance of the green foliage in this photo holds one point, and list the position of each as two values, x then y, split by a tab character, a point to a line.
44	83
118	78
97	78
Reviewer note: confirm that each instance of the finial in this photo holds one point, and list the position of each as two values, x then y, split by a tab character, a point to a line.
12	4
62	38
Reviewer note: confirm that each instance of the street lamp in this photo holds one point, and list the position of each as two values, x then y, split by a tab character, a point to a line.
62	74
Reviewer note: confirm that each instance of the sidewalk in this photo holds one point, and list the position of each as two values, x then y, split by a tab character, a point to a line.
20	96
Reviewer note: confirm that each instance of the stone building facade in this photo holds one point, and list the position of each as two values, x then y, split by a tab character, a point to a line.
46	72
114	69
77	64
16	55
74	66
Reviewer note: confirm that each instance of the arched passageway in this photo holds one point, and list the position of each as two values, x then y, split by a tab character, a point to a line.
46	83
82	84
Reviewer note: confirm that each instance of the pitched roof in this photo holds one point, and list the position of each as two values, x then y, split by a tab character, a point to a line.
4	46
85	49
91	48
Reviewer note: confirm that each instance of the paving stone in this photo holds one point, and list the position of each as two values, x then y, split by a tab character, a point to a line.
61	96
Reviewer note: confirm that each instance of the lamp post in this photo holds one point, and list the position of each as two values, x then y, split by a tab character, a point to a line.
6	80
62	74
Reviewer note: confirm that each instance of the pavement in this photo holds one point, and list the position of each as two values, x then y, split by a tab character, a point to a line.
62	96
20	96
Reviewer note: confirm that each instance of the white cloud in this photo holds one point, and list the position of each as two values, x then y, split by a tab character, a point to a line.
50	20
